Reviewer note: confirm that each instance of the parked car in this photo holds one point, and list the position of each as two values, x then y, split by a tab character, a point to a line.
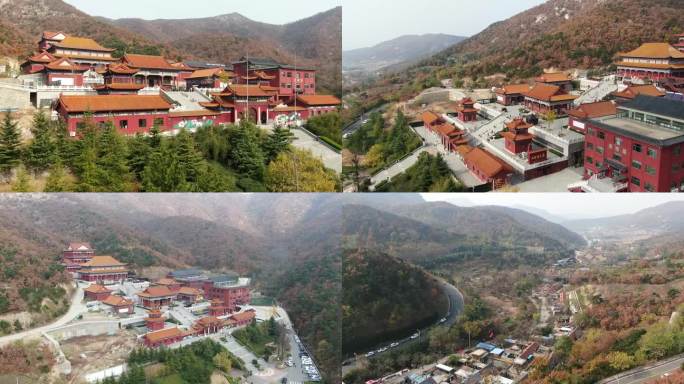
371	353
414	336
393	345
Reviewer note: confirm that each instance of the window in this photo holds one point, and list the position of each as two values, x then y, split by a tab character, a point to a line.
158	122
649	187
650	170
638	116
652	153
636	181
636	164
618	141
600	150
636	147
677	151
80	126
617	157
590	160
601	135
651	119
123	124
590	145
591	132
142	123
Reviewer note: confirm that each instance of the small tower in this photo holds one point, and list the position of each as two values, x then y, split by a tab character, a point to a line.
155	321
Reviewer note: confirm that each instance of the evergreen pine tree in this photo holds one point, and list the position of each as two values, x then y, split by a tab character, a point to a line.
65	148
189	158
139	152
57	180
85	157
23	181
278	141
41	153
247	157
10	141
164	172
155	138
113	174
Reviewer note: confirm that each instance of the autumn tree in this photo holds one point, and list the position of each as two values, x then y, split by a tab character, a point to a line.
299	171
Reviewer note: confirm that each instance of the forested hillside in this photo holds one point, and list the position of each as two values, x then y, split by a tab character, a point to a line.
384	298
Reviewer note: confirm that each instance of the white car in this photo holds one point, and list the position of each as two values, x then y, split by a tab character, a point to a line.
414	336
443	320
371	353
393	345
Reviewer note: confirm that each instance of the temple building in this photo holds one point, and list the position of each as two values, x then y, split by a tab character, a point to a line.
450	136
485	166
558	79
466	111
76	255
79	49
217	308
209	78
680	42
96	292
131	114
512	94
208	325
60	71
230	288
189	295
119	305
635	90
189	277
316	105
103	269
640	149
154	320
578	117
164	337
118	79
154	71
517	136
543	98
287	80
651	61
242	319
172	284
156	297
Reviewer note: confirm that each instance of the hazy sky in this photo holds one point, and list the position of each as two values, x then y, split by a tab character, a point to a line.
267	11
368	22
570	205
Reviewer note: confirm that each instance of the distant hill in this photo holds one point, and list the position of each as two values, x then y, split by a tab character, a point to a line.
314	41
385	297
432	234
664	219
566	34
402	50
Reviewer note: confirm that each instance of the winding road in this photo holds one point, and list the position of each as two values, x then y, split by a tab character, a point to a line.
75	309
646	374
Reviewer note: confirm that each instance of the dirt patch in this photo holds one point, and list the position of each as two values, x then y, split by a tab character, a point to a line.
507	306
217	378
90	354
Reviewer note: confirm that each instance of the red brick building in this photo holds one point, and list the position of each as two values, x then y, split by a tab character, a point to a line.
118	80
641	149
217	308
103	269
96	292
518	138
231	289
131	114
579	116
154	71
316	105
287	80
164	337
466	110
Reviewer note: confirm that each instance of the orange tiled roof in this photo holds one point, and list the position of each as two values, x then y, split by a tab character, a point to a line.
82	43
157	291
554	77
103	270
97	288
168	333
464	149
649	65
430	117
209	104
76	246
314	100
183	66
122	69
121	86
243	90
190	291
655	51
548	92
594	110
42	57
166	281
513	89
65	64
518	123
50	34
117	301
87	57
243	316
148	62
445	129
209	321
202	73
103	261
636	90
489	164
114	103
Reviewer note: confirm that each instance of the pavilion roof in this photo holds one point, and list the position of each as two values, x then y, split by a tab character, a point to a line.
103	261
149	62
84	43
315	100
655	51
114	103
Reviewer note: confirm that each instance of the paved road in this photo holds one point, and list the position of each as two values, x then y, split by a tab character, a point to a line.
646	375
353	127
76	309
302	140
401	166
